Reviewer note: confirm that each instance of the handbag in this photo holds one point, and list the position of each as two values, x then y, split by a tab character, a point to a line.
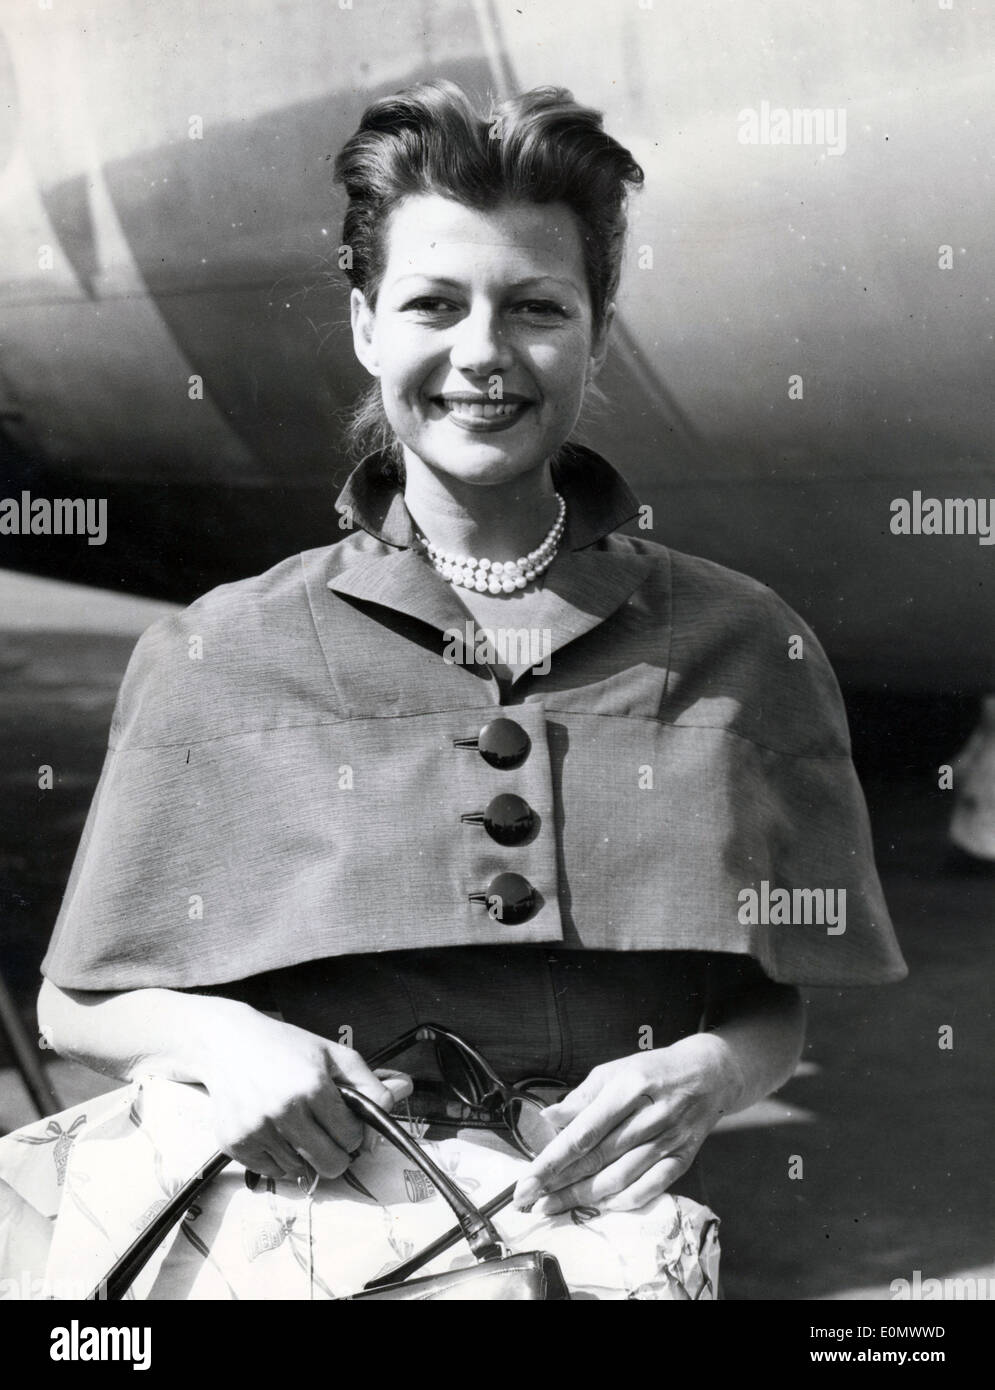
497	1275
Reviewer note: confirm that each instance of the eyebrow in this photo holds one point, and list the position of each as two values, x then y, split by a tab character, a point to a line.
518	284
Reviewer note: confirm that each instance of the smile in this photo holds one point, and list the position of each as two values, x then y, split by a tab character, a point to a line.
478	414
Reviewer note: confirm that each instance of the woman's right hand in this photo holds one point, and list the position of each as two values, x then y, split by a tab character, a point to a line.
276	1104
277	1107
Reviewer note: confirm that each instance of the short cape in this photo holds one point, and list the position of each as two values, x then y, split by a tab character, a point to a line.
284	783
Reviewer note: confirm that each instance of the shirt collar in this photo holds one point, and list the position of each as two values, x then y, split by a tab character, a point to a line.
598	498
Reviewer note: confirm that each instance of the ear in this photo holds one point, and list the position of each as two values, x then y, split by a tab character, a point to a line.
362	317
599	348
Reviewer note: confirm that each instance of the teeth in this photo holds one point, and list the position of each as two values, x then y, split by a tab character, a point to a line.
483	410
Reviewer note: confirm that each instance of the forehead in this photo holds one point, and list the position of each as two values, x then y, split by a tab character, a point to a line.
431	235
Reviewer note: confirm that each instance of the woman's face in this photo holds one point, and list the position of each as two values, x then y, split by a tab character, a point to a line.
482	335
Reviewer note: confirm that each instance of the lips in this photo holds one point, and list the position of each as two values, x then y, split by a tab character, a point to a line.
482	407
479	412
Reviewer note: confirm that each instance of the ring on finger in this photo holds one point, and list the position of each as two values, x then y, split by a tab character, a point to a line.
309	1179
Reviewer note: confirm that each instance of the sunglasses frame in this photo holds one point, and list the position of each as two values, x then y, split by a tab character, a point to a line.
492	1096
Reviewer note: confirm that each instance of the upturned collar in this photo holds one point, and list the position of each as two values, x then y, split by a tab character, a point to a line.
598	498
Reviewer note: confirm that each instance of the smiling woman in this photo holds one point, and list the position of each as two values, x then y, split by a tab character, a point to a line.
485	256
481	377
317	830
482	336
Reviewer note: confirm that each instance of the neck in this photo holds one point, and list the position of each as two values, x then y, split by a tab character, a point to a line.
499	520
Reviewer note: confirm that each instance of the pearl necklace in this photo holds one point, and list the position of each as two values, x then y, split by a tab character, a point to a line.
499	576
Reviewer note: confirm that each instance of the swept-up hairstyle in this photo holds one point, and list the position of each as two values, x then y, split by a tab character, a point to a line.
539	147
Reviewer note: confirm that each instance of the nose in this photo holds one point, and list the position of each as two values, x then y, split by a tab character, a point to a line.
480	346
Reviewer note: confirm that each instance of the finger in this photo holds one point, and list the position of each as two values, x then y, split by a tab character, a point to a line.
324	1151
604	1183
336	1121
256	1160
652	1123
653	1183
630	1183
349	1067
567	1109
261	1150
300	1170
279	1174
400	1086
398	1083
585	1132
300	1136
336	1117
323	1161
281	1144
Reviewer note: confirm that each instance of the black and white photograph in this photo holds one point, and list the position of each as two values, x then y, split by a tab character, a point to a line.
497	662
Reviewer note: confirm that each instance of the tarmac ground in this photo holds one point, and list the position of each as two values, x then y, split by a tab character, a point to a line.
892	1130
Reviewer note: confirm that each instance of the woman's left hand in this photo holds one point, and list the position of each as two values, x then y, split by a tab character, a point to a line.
632	1127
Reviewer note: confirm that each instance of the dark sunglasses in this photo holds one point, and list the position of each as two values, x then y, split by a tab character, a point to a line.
518	1108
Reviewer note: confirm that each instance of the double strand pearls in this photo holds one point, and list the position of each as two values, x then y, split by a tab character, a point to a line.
500	576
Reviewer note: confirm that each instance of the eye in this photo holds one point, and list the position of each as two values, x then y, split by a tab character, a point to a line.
541	308
430	305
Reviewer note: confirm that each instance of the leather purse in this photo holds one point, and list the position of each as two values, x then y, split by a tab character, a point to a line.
497	1275
495	1279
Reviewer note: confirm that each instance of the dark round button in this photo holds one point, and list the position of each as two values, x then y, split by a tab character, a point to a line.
510	899
503	743
509	820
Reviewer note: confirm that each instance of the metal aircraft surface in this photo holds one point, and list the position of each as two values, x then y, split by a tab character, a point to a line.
805	332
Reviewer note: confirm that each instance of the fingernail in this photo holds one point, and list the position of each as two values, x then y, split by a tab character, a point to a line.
399	1084
526	1193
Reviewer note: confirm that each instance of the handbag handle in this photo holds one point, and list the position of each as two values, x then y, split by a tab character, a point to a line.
482	1238
480	1234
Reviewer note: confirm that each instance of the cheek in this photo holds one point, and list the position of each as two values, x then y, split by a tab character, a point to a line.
561	368
405	363
400	385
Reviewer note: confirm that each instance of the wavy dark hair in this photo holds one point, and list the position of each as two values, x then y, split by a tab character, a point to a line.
539	147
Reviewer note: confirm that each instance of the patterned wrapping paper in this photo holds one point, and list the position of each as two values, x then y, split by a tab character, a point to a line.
76	1188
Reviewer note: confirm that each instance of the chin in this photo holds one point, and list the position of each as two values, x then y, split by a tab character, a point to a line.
482	463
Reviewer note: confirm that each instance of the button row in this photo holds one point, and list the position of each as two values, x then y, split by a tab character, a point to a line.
508	819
